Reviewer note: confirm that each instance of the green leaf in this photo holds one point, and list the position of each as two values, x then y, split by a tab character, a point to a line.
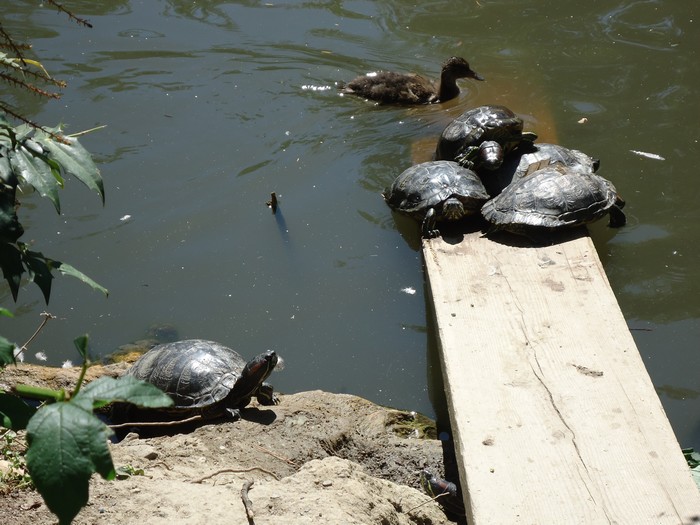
127	389
74	159
10	228
14	413
11	264
7	352
67	269
81	343
39	269
6	312
37	172
7	135
7	176
41	266
67	443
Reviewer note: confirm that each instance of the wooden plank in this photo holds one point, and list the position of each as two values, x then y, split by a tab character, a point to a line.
554	416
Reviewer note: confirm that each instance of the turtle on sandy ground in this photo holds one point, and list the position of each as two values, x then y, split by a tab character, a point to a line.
205	378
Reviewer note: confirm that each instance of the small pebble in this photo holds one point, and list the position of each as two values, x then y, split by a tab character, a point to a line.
327	483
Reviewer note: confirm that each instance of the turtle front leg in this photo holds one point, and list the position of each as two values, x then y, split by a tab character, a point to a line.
266	395
233	413
465	157
428	229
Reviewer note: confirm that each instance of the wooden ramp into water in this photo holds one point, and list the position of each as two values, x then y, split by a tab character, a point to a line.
554	416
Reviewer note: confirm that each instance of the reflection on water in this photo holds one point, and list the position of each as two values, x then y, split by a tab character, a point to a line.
646	23
207	114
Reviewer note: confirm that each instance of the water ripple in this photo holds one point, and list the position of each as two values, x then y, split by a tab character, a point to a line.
641	24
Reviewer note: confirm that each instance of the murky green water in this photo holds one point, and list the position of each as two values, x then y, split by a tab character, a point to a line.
210	106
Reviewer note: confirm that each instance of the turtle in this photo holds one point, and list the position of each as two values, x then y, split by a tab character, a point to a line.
539	155
480	137
206	378
407	88
445	492
435	191
552	198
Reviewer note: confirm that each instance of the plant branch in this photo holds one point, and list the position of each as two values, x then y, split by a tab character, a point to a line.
157	423
11	44
233	471
79	21
46	316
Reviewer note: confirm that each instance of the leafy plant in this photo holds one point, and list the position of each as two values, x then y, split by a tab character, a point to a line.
6	347
40	158
35	156
66	442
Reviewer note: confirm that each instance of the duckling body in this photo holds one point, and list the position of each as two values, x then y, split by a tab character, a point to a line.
389	87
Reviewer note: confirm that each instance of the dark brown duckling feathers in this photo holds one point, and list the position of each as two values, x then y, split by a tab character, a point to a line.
389	87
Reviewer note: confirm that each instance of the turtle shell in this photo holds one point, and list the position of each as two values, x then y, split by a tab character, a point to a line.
541	155
551	198
428	185
195	373
474	126
544	155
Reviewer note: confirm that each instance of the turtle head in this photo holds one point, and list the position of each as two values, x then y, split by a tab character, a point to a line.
453	209
447	492
490	155
435	486
261	366
255	372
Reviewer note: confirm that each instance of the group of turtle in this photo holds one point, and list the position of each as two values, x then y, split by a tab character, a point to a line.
485	163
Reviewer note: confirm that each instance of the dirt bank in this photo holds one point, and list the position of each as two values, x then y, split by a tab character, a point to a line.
315	458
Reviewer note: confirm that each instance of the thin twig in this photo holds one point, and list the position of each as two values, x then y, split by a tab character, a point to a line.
234	471
12	44
46	316
246	501
86	131
80	21
157	423
281	458
434	498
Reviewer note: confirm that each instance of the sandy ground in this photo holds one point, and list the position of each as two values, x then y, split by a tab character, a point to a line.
315	458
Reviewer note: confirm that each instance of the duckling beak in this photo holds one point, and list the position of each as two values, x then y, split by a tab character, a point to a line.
476	76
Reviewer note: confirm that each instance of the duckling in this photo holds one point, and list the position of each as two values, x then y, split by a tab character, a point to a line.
400	88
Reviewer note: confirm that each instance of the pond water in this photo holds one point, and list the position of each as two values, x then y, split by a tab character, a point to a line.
211	106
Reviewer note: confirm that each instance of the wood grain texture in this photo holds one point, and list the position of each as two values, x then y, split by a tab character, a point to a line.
554	415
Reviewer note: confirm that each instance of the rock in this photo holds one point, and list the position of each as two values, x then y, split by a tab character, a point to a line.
352	498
